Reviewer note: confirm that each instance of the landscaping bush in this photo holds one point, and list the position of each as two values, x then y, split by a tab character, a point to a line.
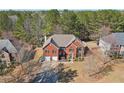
3	67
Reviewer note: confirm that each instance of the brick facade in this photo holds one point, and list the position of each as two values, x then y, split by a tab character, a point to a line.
50	50
70	48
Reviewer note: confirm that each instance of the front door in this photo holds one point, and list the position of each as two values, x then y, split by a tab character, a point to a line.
62	54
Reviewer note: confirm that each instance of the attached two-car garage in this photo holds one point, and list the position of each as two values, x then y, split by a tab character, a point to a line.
47	58
53	58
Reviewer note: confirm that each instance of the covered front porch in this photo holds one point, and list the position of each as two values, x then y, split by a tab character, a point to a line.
62	55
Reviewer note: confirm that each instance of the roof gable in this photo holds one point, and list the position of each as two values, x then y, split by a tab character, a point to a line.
7	45
115	38
60	40
5	49
119	38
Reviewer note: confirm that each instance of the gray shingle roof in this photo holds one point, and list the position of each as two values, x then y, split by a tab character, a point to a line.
60	40
115	38
8	45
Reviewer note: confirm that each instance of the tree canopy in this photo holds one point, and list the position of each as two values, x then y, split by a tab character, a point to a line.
31	26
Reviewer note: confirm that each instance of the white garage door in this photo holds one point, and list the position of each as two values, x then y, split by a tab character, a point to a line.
47	58
54	58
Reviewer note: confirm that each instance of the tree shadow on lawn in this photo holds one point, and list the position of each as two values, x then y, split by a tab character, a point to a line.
104	72
48	76
54	75
107	70
66	75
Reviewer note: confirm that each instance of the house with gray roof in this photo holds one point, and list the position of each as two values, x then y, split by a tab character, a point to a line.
112	43
8	52
61	47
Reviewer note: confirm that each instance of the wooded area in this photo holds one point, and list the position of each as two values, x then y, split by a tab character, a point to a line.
31	26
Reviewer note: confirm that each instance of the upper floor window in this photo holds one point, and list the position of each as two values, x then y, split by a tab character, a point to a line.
71	50
46	51
62	48
54	51
79	49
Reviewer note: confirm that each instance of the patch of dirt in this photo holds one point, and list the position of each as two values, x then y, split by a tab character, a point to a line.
28	69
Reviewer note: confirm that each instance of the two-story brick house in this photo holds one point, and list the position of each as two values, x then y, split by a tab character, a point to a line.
62	47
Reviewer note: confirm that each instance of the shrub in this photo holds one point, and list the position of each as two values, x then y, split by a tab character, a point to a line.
3	67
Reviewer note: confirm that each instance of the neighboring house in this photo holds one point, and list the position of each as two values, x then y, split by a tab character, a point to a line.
112	43
8	52
62	47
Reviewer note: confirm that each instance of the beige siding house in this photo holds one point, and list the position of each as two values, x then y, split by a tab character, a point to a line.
112	43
